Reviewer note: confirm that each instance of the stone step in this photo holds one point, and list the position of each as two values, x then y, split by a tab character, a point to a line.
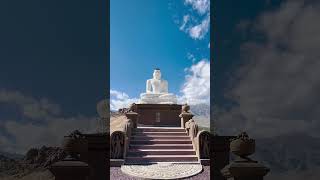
142	137
161	146
160	133
161	158
138	152
157	129
167	141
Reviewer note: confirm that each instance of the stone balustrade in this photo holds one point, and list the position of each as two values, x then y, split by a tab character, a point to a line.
133	116
200	139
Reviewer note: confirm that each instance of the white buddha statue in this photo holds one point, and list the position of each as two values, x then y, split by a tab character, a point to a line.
157	91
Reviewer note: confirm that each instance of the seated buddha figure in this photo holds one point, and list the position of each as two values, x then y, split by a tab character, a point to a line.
157	91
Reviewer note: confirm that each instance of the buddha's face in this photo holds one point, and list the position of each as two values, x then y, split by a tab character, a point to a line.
157	74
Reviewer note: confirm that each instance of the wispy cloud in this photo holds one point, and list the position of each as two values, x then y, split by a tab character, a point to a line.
197	24
186	19
201	6
191	57
200	30
120	100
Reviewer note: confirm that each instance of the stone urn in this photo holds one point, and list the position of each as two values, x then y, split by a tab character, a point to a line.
242	146
185	108
74	144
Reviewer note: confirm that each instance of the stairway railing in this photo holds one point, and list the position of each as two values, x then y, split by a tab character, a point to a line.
200	139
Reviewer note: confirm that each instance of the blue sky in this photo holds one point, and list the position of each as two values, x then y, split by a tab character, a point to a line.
146	34
54	50
52	70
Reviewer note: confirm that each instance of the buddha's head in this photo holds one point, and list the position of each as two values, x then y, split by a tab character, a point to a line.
157	74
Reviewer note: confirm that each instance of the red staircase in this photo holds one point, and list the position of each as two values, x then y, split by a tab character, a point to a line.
159	144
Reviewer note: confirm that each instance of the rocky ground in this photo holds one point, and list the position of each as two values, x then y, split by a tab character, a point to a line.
36	175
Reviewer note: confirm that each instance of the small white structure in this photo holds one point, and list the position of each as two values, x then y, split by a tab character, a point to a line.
157	91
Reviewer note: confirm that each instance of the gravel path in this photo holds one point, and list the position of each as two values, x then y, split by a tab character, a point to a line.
116	174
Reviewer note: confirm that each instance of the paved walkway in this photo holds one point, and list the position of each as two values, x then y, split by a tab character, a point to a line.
116	174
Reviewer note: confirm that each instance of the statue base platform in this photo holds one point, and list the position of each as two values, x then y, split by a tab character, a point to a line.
158	114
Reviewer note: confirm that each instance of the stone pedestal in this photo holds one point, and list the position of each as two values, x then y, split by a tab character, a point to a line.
243	168
70	170
249	170
158	114
185	116
134	117
221	155
98	155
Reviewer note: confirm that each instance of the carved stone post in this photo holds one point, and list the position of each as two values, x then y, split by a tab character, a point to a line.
128	129
133	116
71	168
185	115
118	144
244	168
193	129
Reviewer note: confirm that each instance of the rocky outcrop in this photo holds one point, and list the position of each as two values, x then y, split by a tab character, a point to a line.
8	166
43	157
34	160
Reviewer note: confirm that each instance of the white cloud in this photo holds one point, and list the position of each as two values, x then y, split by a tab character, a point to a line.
196	88
120	100
185	21
118	95
201	6
200	30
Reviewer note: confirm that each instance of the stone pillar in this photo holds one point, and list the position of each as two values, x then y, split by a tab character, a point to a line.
133	116
245	171
98	155
244	168
221	155
70	170
185	117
